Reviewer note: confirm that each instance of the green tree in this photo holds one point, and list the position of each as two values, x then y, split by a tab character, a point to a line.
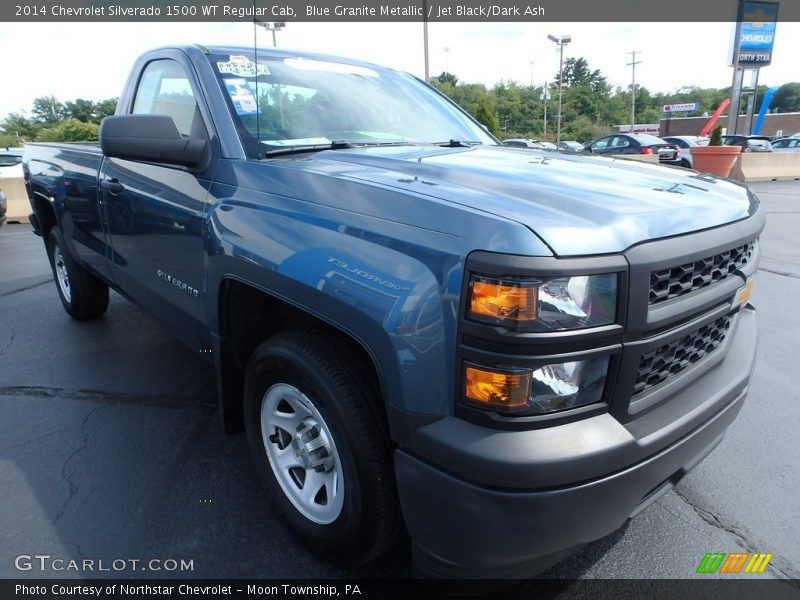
69	130
80	109
48	111
488	117
446	78
787	98
7	140
105	108
577	72
18	125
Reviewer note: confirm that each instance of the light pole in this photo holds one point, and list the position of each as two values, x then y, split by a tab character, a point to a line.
632	65
447	59
425	38
545	98
273	27
560	42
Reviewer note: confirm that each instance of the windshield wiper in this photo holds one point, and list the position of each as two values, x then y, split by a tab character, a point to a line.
374	144
454	143
280	150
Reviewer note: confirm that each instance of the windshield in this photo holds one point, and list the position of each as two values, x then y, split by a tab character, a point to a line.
285	102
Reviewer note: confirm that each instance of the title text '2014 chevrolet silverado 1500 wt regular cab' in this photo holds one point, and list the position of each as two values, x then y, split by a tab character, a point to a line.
504	353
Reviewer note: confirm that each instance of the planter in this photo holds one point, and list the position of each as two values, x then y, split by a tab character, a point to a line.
718	160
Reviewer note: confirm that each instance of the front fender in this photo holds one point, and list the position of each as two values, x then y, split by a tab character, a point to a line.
400	309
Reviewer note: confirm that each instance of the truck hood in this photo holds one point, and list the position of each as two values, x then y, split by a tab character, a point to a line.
576	204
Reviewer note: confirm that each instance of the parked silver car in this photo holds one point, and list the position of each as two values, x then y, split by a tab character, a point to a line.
3	206
523	143
787	144
685	143
571	146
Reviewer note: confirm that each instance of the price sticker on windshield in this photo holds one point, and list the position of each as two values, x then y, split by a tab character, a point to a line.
743	293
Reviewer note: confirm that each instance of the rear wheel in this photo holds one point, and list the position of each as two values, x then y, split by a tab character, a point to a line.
82	294
317	439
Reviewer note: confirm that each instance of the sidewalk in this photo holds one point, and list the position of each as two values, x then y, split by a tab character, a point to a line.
780	249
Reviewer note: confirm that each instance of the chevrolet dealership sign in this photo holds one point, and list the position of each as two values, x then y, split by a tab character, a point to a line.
755	33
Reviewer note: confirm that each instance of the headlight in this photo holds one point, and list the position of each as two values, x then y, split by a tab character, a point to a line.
568	385
546	389
546	303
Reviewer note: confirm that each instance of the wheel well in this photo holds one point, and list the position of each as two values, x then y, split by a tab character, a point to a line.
248	316
45	214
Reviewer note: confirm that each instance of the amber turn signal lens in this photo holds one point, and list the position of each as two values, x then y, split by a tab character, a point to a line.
503	302
495	388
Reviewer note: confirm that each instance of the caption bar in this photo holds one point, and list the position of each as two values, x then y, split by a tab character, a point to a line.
370	10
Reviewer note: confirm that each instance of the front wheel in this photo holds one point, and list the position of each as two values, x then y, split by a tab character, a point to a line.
316	438
82	294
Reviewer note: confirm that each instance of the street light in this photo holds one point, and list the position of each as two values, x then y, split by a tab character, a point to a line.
560	42
273	27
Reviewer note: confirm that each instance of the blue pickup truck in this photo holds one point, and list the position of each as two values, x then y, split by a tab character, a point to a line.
501	353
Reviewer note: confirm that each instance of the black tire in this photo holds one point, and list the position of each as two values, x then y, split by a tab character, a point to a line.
83	295
369	521
685	164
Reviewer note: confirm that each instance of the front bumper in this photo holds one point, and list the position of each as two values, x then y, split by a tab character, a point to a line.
496	503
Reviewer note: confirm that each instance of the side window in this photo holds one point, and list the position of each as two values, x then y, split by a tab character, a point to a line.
601	143
164	89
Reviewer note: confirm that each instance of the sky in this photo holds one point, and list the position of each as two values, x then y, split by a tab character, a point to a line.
92	60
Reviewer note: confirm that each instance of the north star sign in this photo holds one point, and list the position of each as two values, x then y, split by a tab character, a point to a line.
689	107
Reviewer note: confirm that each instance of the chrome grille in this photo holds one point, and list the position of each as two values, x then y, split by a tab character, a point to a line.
670	359
672	282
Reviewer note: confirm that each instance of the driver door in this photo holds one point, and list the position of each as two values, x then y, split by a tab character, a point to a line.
156	211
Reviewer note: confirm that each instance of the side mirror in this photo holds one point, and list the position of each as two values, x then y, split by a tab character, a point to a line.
150	138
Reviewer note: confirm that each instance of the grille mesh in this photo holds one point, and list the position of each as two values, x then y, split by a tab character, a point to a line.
670	359
669	283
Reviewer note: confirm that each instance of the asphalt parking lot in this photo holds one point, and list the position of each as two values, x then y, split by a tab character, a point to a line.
111	446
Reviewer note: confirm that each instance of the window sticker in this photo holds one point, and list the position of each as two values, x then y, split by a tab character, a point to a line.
242	66
244	102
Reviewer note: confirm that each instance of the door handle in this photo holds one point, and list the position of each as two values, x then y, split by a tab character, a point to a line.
112	186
